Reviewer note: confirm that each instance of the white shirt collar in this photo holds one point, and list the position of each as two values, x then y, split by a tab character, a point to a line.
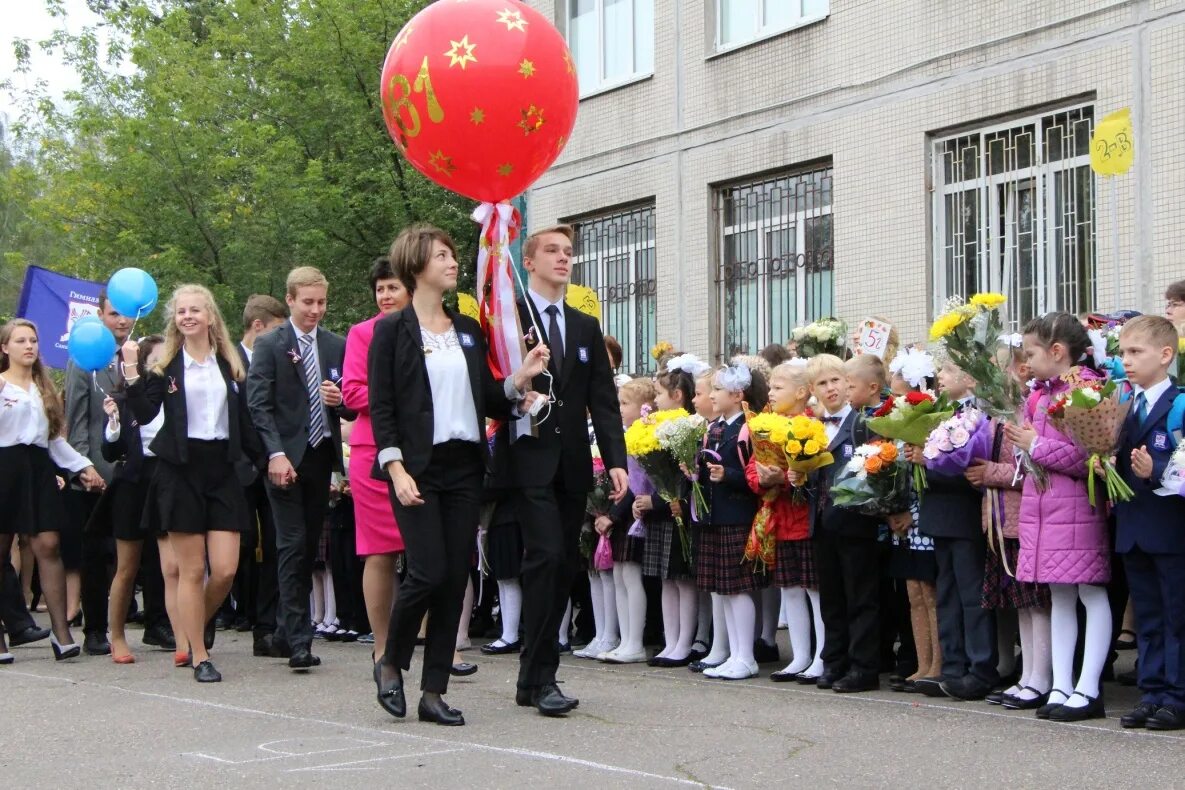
246	350
299	333
733	418
542	304
191	362
842	414
1153	394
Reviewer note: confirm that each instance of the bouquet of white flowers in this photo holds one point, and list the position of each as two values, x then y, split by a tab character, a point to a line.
682	437
825	336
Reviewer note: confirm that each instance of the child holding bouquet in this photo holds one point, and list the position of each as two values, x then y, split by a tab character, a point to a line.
1063	540
794	569
949	512
711	634
1149	537
636	398
731	508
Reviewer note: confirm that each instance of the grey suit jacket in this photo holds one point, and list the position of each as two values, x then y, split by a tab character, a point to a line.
85	417
278	396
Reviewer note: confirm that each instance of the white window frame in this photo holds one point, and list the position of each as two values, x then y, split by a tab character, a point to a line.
764	31
993	269
633	356
763	227
603	83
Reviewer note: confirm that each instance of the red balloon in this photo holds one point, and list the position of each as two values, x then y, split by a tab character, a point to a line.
480	95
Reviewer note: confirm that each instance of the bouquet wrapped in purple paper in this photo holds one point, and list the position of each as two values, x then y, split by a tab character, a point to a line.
958	442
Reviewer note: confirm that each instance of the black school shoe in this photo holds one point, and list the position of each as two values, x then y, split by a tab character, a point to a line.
931	687
1092	710
1169	717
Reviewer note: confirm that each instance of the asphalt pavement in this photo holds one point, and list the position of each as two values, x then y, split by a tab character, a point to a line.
88	722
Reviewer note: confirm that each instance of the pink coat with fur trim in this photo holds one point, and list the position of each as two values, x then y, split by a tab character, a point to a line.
1063	540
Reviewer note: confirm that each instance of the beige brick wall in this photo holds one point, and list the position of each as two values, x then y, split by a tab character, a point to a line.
867	88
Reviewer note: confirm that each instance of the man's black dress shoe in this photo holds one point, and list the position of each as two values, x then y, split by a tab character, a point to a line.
390	694
438	711
302	659
967	688
159	636
206	673
765	653
1093	709
1139	717
30	634
262	646
931	687
496	649
550	701
1167	718
855	682
827	680
462	669
96	645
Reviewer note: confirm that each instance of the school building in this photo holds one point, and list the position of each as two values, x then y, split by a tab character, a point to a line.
741	167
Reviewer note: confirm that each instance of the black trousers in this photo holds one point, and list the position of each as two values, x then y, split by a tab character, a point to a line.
255	590
298	513
439	538
97	561
14	614
849	583
550	518
966	630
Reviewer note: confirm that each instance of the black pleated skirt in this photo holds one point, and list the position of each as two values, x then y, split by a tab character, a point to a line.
201	496
30	501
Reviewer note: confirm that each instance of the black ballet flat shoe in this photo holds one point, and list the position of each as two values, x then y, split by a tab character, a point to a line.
1049	707
931	687
6	658
806	679
437	711
463	669
1139	717
782	676
1093	709
995	698
390	694
1013	702
495	649
765	653
28	636
700	666
63	652
206	673
666	662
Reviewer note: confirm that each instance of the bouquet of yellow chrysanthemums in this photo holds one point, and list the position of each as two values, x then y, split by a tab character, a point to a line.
656	466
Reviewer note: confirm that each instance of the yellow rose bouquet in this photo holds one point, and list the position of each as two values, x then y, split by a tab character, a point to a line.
806	449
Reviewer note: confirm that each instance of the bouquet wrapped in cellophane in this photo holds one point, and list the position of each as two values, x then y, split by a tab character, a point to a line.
1092	416
682	436
958	442
659	465
970	334
768	434
873	482
911	419
806	450
599	495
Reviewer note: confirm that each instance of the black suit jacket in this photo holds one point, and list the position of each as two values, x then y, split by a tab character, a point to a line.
401	408
247	472
852	433
152	392
1149	522
278	393
583	389
731	501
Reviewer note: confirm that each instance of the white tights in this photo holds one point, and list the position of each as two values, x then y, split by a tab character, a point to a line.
1036	670
631	605
720	631
741	616
510	609
798	622
604	606
1096	641
680	605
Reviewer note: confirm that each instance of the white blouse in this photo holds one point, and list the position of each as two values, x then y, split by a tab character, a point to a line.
205	399
454	412
23	421
147	432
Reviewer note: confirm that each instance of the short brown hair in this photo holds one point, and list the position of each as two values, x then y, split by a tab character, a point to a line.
532	242
411	250
868	367
261	307
613	348
1175	292
304	277
1159	331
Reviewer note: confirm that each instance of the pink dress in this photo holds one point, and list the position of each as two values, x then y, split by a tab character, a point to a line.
375	527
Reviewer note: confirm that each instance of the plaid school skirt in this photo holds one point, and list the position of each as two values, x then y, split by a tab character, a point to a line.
796	564
626	548
1001	591
720	567
663	557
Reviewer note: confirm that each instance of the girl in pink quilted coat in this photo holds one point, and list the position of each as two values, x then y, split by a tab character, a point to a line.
1063	540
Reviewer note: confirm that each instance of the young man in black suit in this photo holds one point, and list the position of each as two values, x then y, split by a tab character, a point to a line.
292	389
551	469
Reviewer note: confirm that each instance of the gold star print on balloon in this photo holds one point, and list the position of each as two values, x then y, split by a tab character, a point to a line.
478	116
457	57
532	120
505	169
513	20
442	164
526	68
568	63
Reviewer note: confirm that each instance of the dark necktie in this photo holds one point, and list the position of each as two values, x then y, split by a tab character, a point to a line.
555	338
1141	408
832	420
313	384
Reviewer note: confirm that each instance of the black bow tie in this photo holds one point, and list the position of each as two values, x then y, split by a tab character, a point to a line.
832	420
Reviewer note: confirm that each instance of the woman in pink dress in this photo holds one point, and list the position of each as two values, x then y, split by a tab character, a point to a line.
377	533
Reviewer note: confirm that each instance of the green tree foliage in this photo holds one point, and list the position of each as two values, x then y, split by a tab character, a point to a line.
248	139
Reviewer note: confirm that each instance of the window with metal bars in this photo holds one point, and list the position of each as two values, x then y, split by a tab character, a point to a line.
1014	212
615	257
775	258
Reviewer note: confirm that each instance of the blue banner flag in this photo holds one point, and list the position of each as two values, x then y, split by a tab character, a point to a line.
54	302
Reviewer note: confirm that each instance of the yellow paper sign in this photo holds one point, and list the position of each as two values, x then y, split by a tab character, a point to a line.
584	299
1113	145
467	305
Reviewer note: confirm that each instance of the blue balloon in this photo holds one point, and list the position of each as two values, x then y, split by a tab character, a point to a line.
132	292
91	345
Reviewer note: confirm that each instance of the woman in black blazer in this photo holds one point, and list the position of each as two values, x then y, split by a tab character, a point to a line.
430	393
199	384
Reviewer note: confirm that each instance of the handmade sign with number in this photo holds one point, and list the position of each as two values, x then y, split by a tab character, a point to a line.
874	337
1113	146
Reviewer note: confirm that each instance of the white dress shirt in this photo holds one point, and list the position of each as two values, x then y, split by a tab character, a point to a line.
454	415
205	398
147	432
246	351
541	305
831	429
1151	395
23	421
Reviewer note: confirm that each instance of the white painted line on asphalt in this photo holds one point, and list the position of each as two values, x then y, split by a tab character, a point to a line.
355	764
282	755
862	698
525	753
